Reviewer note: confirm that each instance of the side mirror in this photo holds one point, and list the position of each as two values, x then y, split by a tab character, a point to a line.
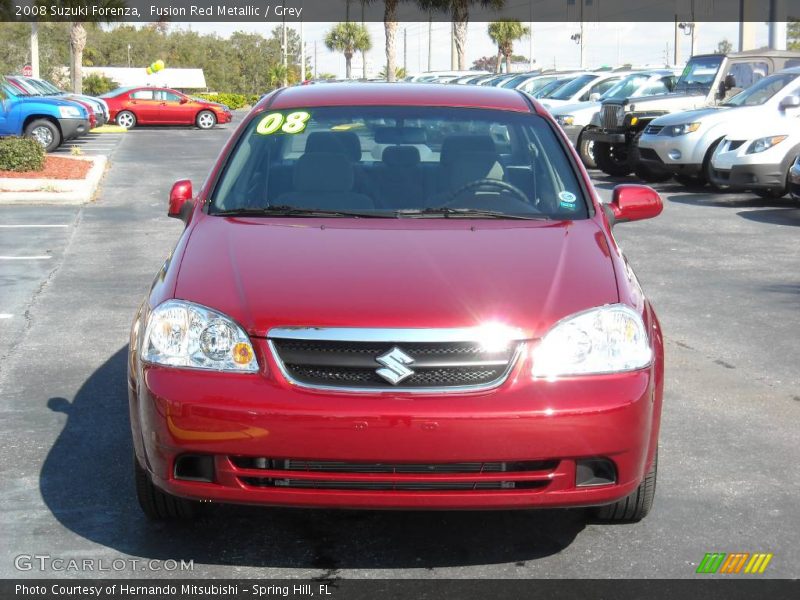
633	203
594	97
180	200
789	102
184	100
730	82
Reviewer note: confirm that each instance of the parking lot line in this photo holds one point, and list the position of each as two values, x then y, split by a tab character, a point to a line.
33	226
25	257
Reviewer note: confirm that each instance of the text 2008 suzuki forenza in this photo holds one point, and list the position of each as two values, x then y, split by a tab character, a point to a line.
398	296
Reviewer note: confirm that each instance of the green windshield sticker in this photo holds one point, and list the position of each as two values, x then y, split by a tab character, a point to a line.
292	123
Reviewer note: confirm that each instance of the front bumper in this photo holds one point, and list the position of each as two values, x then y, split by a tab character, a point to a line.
750	176
224	117
606	136
675	154
234	416
72	128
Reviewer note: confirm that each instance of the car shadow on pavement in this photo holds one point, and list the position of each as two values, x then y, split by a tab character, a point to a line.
86	481
777	216
728	200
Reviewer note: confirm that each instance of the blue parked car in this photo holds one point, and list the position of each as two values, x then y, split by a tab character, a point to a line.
49	121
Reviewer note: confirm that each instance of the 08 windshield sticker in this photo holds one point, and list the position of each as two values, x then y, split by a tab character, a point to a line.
292	123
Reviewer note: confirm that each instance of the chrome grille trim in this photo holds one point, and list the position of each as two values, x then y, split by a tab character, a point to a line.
612	116
393	336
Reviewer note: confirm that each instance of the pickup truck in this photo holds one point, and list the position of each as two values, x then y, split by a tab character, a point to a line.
706	80
49	121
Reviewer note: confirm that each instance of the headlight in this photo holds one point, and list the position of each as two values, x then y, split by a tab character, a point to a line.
69	112
765	143
608	339
564	120
676	130
182	334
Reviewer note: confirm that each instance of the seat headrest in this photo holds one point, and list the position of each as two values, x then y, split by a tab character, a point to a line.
323	172
400	135
338	142
456	145
471	166
401	156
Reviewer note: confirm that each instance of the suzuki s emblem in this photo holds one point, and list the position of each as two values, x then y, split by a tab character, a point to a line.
395	369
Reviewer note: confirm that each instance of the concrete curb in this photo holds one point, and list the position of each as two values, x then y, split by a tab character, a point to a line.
55	191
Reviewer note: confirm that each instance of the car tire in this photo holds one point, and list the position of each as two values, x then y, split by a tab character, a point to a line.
773	194
708	169
206	119
126	119
586	152
156	504
634	507
45	132
691	181
613	159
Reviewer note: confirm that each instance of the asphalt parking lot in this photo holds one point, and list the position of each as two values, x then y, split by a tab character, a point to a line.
722	270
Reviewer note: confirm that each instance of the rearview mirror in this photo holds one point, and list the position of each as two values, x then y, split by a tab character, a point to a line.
634	203
180	200
789	102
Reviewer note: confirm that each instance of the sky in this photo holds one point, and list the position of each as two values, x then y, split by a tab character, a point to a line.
640	44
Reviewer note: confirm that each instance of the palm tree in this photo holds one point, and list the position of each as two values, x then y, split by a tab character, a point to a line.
459	11
390	26
348	38
77	35
504	34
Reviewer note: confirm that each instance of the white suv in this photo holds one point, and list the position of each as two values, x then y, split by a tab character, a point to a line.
684	142
758	156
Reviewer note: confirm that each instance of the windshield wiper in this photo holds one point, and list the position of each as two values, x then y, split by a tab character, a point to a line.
284	210
477	213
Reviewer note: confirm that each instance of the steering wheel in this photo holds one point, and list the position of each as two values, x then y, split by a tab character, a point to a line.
486	183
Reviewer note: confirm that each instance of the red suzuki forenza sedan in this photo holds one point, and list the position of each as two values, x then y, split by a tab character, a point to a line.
398	297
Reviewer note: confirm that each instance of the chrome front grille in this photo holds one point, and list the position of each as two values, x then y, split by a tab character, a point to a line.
394	359
653	129
612	116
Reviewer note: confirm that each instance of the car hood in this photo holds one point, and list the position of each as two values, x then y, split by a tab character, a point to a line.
267	273
707	115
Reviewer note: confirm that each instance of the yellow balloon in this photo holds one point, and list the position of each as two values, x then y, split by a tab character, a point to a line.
159	65
149	71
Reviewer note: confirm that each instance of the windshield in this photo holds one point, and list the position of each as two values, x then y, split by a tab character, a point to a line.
9	90
699	73
30	90
37	85
515	81
570	89
46	86
400	161
625	88
546	90
762	91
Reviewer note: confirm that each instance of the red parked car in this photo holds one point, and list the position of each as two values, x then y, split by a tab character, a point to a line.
133	106
398	297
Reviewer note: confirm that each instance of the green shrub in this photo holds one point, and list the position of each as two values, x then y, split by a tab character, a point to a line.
95	85
232	101
21	155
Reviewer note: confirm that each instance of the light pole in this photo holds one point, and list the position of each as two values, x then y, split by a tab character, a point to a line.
129	56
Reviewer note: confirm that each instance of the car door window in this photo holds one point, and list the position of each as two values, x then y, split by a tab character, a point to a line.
601	88
142	95
655	87
746	74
